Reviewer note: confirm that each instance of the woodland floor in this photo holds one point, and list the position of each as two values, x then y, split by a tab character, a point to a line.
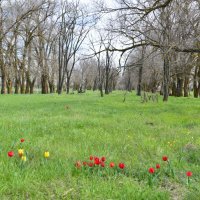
73	127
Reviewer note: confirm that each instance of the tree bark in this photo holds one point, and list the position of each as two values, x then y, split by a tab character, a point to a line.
139	86
17	84
107	72
44	83
174	89
27	91
195	83
3	81
32	85
101	89
186	87
22	84
9	86
166	78
67	85
51	87
179	87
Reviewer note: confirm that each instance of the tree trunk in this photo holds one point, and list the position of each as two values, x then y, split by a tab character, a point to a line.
128	86
101	89
95	85
51	87
9	86
186	87
32	85
3	82
17	84
198	90
27	83
139	86
107	81
174	89
67	85
179	87
166	78
195	85
44	83
107	72
22	83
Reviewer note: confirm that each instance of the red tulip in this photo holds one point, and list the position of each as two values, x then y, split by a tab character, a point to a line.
103	159
151	170
112	164
22	140
78	164
84	163
91	157
121	165
90	164
10	153
157	166
103	164
188	173
97	161
165	158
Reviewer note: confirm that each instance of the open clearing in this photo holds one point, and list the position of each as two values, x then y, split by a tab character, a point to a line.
73	127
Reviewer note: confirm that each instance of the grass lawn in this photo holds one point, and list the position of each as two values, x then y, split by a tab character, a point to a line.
76	126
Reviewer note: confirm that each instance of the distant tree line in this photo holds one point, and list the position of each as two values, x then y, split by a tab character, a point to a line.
143	45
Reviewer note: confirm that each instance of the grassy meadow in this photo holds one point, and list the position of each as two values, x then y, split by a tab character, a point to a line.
73	127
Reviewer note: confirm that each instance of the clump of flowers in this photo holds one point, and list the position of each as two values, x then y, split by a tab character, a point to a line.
100	166
22	154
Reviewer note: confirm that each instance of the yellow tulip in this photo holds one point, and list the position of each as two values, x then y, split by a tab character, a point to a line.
23	158
20	152
46	154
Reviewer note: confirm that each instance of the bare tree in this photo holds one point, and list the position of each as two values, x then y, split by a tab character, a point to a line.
73	29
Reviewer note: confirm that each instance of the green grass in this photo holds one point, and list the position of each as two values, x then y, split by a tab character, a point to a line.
76	126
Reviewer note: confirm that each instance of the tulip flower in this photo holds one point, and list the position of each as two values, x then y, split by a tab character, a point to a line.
151	170
22	140
165	158
23	158
112	164
157	166
97	161
46	154
84	163
188	174
170	169
20	152
103	164
121	165
103	159
10	153
91	157
90	164
78	164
